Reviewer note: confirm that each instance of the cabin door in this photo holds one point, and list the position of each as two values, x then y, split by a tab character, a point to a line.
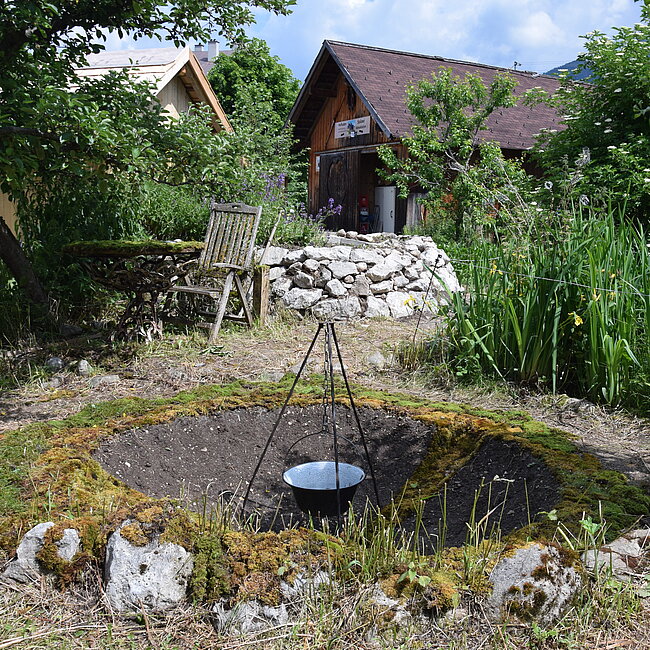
385	208
339	180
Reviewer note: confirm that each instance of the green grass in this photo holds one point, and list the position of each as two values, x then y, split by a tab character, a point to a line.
567	309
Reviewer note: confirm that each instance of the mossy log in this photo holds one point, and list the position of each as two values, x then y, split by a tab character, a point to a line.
125	248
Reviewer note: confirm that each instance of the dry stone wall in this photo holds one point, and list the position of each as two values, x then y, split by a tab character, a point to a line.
361	276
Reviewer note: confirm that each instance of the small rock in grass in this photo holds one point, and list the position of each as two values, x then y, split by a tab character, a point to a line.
55	364
153	576
104	380
536	582
84	368
26	567
377	360
247	617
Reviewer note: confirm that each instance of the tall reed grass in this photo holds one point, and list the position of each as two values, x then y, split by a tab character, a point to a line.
566	307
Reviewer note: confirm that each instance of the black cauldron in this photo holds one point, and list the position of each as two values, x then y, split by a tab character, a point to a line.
314	486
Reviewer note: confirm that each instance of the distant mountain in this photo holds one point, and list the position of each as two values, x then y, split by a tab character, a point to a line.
571	67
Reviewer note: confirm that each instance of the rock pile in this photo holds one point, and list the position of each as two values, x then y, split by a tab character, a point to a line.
379	275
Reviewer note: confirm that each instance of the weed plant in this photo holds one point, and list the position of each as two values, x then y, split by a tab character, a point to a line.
566	307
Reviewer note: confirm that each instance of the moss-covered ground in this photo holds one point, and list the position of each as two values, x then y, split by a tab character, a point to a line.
47	473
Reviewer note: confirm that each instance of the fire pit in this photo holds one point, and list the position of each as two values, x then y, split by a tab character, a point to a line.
323	488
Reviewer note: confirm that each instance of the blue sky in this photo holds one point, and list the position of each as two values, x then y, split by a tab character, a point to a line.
538	34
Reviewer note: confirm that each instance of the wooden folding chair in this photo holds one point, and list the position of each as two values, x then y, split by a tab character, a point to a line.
227	256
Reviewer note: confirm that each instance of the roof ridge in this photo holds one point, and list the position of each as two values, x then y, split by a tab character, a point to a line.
527	73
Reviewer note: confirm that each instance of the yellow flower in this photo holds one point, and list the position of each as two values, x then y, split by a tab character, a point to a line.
577	320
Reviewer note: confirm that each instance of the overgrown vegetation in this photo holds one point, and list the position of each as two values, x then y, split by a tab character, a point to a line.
565	308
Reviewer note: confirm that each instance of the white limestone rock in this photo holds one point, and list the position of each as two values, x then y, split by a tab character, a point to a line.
303	280
381	287
302	298
324	253
304	585
399	281
360	286
337	309
26	567
384	270
341	269
154	576
366	255
311	266
399	303
376	308
291	257
273	255
276	272
421	284
281	286
533	583
247	617
336	289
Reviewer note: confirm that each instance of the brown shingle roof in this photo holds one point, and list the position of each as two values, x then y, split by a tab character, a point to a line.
381	77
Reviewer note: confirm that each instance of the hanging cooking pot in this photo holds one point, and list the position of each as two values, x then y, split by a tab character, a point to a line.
314	484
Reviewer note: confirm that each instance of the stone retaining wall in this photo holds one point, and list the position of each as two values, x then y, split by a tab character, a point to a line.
361	275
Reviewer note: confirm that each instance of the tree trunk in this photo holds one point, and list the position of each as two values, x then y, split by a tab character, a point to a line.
21	268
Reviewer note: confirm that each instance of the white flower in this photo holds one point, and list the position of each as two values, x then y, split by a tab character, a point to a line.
646	180
609	119
607	131
597	123
611	147
618	90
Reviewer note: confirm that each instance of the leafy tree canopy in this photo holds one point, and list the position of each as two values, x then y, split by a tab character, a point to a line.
604	153
55	128
252	71
106	124
458	173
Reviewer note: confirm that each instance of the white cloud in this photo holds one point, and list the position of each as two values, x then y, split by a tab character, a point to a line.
536	30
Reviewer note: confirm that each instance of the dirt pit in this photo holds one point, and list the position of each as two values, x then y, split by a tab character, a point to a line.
210	459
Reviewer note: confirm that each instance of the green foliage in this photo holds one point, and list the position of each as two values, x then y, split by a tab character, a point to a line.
565	307
461	176
606	145
53	140
166	212
252	71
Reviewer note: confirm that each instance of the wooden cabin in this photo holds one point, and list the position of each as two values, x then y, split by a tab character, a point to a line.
354	100
179	83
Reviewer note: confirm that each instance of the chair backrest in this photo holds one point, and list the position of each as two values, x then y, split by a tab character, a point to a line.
230	237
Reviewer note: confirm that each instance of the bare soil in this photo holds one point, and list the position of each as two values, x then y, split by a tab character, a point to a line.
210	459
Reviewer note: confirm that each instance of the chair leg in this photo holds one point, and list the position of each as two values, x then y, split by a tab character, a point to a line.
216	326
244	301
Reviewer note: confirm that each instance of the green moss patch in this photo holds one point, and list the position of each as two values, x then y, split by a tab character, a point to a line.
47	473
111	248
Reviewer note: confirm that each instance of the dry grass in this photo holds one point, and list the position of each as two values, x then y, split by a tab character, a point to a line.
39	616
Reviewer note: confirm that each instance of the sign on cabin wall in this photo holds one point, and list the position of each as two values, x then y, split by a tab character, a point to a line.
352	128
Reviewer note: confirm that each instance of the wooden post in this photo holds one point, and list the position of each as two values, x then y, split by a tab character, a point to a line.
261	291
